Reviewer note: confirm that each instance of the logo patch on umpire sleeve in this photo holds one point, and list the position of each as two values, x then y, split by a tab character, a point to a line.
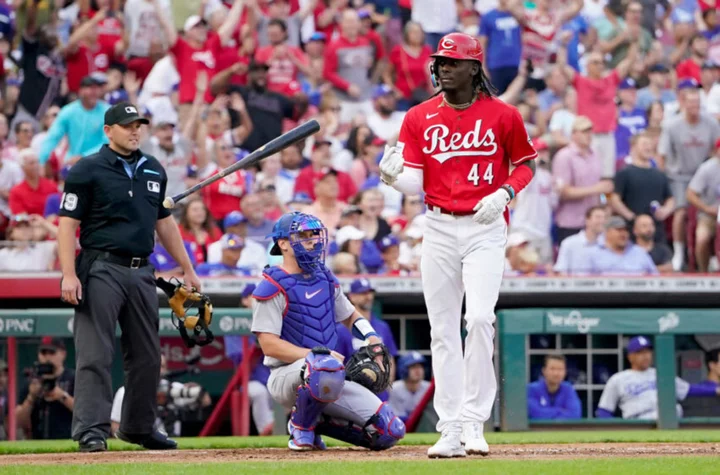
153	186
69	201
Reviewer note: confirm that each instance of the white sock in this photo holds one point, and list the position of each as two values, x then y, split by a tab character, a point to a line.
679	248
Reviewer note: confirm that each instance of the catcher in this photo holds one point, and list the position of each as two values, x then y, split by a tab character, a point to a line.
297	305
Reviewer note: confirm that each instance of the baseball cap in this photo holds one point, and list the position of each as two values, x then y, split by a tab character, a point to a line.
516	239
658	68
628	83
318	36
378	141
232	241
616	222
348	233
638	343
248	290
362	14
161	111
123	113
709	65
381	90
581	124
326	172
688	83
50	343
360	286
320	142
350	209
192	22
89	81
387	242
539	144
99	77
301	197
233	219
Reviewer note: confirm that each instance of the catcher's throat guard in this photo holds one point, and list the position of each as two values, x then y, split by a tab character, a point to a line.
182	300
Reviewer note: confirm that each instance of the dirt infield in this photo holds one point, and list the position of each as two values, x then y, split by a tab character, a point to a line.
500	452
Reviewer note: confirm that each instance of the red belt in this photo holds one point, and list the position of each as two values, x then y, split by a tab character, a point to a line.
451	213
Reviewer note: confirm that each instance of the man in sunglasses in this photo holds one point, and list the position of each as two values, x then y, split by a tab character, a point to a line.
47	403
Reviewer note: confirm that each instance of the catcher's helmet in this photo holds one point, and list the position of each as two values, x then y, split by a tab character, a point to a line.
407	360
459	46
289	227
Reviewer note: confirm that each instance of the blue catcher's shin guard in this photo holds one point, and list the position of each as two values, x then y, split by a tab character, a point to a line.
381	431
324	379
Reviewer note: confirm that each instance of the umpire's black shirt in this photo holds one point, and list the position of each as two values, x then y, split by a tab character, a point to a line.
117	212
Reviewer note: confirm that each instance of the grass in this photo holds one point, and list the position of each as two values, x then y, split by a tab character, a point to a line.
626	466
552	437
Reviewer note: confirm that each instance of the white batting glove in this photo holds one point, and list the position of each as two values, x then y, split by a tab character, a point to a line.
491	207
391	165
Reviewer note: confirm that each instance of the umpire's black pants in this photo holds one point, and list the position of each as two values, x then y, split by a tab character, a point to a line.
112	294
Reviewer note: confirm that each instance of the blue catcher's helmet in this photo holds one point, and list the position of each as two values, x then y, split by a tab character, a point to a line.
407	360
289	227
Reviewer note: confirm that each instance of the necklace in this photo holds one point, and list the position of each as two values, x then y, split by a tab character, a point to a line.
459	106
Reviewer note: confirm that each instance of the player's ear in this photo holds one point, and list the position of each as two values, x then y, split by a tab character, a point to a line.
475	68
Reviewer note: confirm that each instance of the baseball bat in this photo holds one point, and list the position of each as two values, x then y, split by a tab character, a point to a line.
300	132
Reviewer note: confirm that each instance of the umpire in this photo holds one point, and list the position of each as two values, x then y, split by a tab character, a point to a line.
115	196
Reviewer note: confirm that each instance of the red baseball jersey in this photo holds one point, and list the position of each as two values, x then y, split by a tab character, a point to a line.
464	154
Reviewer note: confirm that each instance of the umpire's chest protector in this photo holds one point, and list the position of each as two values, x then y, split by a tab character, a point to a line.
309	317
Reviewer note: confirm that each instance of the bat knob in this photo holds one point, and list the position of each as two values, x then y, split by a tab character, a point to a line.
169	203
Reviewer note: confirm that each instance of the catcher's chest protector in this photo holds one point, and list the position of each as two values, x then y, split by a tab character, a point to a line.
310	317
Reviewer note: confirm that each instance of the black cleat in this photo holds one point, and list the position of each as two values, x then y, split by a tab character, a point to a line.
93	444
154	441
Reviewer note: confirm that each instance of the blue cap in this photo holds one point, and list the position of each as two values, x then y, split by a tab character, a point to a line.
388	242
233	219
318	36
360	286
248	290
639	343
628	83
688	83
362	14
658	68
381	90
408	360
301	197
232	241
710	65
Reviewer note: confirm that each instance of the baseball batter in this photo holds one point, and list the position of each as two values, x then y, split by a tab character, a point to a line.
294	317
470	154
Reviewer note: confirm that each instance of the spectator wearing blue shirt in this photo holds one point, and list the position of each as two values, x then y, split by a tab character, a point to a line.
631	118
163	262
551	397
618	255
500	36
579	28
657	89
572	256
232	246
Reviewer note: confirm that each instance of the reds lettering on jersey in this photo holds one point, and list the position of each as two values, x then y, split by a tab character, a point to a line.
465	154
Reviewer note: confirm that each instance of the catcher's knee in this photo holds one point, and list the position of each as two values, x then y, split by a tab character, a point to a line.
389	429
324	376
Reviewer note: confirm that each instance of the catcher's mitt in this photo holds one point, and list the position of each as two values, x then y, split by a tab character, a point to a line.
181	300
363	369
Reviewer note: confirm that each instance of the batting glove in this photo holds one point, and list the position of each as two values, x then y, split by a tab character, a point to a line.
391	165
491	207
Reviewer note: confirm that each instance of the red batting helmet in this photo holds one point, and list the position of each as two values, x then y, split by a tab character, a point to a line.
459	46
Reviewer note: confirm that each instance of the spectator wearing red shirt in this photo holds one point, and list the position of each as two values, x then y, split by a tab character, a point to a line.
197	228
28	196
691	67
320	161
85	54
284	61
366	29
408	68
223	196
349	63
596	95
326	15
110	28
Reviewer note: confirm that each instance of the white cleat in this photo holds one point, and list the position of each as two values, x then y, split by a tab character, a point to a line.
474	440
449	444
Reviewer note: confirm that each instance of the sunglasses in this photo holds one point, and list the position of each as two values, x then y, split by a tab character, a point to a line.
48	352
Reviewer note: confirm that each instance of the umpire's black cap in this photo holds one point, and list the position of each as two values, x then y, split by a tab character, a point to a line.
124	113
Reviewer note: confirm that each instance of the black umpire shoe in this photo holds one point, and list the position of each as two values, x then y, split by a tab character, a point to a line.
93	443
154	441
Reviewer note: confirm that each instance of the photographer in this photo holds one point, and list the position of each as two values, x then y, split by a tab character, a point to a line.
177	402
47	408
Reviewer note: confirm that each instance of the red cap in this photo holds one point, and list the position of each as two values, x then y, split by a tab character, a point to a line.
459	46
539	144
717	144
378	141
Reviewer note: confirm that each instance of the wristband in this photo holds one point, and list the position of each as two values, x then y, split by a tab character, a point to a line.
510	190
362	330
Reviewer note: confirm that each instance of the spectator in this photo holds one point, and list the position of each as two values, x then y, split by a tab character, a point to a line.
533	210
704	194
409	389
634	390
691	67
352	240
389	248
23	136
365	171
641	188
351	77
577	172
385	120
345	264
551	397
198	229
320	163
371	204
410	207
562	119
165	265
708	81
26	254
146	27
706	406
326	207
281	10
500	37
520	257
686	142
411	248
408	67
46	410
644	234
11	174
550	98
358	139
300	202
284	60
437	19
253	256
658	88
231	246
272	207
572	256
631	119
258	226
81	122
224	196
617	255
39	138
274	173
29	196
617	40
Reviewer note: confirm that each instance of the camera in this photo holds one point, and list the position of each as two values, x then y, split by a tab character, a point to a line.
45	372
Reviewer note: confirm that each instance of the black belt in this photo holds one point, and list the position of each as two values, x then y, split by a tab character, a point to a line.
451	213
131	262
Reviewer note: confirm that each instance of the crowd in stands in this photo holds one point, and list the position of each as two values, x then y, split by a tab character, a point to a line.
620	97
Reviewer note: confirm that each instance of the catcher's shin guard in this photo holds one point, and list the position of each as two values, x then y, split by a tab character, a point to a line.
324	379
382	431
